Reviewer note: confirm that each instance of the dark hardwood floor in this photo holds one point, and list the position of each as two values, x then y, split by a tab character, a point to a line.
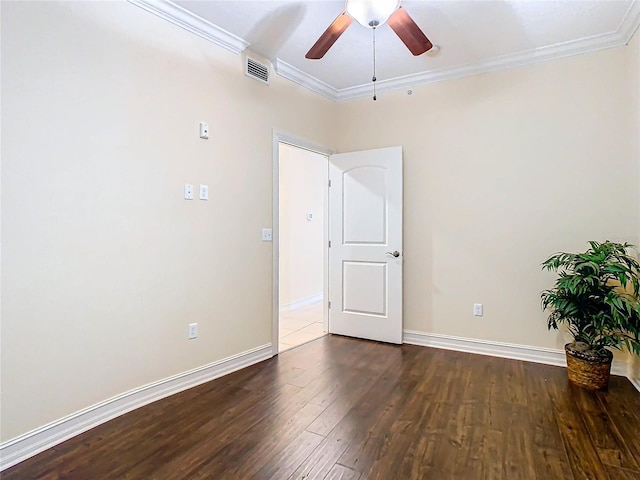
341	408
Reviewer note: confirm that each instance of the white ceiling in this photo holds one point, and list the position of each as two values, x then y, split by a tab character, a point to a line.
474	36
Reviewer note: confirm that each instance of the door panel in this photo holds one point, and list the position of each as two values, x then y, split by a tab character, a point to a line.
364	206
364	288
365	209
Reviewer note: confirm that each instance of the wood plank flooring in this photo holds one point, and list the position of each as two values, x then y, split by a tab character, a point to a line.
342	408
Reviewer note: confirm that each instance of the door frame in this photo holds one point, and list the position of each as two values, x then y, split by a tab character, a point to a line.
283	137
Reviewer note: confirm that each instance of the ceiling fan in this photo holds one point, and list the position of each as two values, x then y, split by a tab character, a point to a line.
372	14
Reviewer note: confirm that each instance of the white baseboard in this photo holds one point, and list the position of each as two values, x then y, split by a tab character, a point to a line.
634	372
549	356
31	443
301	302
620	368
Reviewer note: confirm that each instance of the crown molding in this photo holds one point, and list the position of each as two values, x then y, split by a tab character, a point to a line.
193	23
620	37
301	78
630	22
201	27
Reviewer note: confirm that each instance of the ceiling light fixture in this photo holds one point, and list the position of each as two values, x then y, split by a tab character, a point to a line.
371	13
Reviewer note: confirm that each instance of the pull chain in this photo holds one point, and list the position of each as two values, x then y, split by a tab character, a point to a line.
374	64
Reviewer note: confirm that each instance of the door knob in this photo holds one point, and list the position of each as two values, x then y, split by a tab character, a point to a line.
395	253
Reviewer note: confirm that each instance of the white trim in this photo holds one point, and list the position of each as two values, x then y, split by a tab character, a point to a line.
294	141
193	23
301	302
620	368
630	23
296	75
31	443
205	29
282	137
549	356
36	441
620	37
275	246
634	372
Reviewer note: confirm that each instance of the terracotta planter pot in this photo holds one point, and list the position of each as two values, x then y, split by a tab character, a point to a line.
587	368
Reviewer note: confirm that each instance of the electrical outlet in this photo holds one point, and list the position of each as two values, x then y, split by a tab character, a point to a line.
193	331
204	131
267	235
477	309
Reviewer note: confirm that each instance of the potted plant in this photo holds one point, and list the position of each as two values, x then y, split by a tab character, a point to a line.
596	297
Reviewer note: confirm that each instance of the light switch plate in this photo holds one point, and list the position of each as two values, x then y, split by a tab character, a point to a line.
204	192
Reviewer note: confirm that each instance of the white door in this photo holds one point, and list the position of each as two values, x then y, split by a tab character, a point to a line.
365	253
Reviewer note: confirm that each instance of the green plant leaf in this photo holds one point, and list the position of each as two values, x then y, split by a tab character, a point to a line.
591	295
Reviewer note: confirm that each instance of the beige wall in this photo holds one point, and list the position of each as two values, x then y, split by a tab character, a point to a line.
303	183
501	170
103	263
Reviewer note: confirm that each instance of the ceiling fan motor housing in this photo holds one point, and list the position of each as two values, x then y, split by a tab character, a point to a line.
371	13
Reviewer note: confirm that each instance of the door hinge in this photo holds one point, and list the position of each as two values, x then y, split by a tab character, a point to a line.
329	303
329	243
329	182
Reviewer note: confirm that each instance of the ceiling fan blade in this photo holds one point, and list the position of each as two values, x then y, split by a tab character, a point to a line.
329	37
409	32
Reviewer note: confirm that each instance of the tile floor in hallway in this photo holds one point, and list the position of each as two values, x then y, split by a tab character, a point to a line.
300	326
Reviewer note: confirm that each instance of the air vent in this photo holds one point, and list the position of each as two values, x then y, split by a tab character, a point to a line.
256	70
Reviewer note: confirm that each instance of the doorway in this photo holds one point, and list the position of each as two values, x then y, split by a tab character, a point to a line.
363	192
302	233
